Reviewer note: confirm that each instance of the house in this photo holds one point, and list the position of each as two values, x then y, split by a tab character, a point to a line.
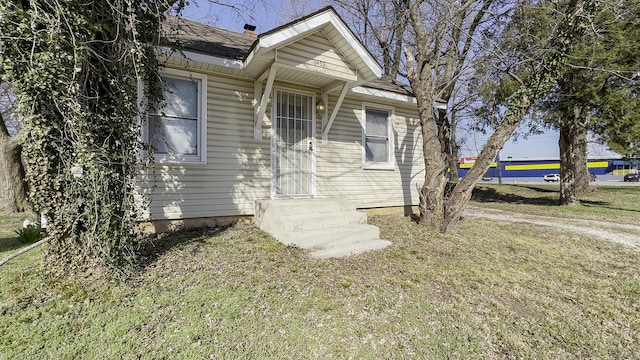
300	111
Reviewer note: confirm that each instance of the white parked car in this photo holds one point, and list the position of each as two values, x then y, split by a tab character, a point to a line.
552	177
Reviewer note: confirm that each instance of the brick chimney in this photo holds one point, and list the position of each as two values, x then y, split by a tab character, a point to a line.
250	30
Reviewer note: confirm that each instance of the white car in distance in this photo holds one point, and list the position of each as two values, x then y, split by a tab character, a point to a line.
552	177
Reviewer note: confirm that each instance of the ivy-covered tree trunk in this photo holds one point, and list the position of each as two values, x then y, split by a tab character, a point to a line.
13	195
75	68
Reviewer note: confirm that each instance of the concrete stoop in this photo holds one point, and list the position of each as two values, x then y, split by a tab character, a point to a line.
327	227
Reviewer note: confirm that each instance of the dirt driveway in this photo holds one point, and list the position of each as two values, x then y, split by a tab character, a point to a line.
597	229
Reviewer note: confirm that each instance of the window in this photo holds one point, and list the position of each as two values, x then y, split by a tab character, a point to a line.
178	130
377	137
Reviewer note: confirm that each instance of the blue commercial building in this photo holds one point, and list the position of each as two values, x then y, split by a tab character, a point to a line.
519	168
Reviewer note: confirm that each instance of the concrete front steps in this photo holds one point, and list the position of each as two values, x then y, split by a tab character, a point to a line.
327	227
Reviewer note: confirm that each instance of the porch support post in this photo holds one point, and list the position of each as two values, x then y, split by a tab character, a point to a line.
261	100
257	97
325	117
336	108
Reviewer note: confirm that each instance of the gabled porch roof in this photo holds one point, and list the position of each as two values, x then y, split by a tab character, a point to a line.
327	29
286	45
318	50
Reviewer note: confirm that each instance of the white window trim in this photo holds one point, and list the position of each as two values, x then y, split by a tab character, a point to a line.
371	165
201	157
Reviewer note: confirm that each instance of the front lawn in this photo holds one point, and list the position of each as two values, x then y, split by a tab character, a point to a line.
491	290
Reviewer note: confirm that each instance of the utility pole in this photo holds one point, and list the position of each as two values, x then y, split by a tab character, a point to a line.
499	166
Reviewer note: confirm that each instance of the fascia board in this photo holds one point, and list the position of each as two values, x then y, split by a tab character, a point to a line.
384	94
198	57
282	37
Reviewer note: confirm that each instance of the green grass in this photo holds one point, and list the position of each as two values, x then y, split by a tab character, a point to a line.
490	290
619	204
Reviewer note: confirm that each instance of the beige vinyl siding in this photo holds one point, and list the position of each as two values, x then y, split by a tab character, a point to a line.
238	167
316	53
339	164
345	48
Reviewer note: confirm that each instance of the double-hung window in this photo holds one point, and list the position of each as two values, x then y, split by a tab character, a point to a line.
377	137
177	130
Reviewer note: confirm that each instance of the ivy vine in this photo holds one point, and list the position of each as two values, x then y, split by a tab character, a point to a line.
75	67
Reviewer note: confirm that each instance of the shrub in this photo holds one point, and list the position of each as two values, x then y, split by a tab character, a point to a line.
30	233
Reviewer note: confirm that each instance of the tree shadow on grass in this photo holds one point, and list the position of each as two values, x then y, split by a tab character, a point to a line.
594	203
603	204
155	246
540	196
543	196
543	190
9	244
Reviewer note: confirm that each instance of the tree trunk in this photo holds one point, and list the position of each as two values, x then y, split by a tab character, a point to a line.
432	193
568	194
551	67
499	167
574	174
13	195
443	210
461	194
453	157
583	177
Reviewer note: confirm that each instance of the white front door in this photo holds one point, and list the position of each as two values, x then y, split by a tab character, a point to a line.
293	144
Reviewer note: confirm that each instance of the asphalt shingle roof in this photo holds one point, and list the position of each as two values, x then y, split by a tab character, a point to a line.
207	39
388	84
